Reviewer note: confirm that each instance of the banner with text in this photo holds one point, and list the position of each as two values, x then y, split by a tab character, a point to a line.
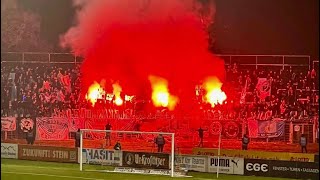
145	160
101	156
249	154
47	153
191	163
281	169
52	128
266	128
8	123
227	165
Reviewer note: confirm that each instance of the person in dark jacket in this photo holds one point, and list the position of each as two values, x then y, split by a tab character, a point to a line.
77	139
200	131
245	142
30	137
160	141
303	143
117	146
108	134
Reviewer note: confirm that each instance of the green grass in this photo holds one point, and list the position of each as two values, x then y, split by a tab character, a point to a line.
36	170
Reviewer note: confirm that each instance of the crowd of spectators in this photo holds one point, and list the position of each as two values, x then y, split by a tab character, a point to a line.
294	93
39	90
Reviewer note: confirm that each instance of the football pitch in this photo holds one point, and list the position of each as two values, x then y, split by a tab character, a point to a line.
36	170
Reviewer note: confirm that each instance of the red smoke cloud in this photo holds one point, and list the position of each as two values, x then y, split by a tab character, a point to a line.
129	40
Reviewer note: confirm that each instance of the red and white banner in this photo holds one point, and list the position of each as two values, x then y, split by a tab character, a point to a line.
243	94
75	124
52	128
263	88
253	128
215	128
266	129
231	129
95	123
8	123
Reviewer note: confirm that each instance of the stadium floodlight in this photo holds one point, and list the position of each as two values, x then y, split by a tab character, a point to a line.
98	155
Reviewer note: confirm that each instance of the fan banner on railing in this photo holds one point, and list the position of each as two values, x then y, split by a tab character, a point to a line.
52	128
215	128
25	124
263	88
243	93
75	124
95	123
266	129
8	123
252	128
231	129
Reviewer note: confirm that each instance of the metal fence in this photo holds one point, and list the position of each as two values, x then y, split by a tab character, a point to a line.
315	65
263	61
40	57
248	61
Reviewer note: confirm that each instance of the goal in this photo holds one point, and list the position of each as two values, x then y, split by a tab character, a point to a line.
138	154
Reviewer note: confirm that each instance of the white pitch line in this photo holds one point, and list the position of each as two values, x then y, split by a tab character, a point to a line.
51	175
40	167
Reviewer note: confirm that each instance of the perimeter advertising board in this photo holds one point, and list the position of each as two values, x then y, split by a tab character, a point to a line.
227	165
9	151
283	169
145	160
316	158
191	163
47	153
249	154
101	156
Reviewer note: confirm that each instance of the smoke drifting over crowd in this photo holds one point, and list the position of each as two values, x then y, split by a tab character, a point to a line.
127	41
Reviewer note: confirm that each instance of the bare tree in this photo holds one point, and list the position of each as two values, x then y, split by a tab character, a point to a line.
206	11
20	29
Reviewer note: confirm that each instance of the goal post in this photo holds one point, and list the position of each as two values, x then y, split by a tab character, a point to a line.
100	135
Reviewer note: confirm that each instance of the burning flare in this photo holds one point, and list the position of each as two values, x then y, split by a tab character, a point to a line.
117	91
94	92
160	93
214	95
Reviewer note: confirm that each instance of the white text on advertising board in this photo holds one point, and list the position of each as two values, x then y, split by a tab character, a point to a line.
101	154
257	167
187	160
194	163
150	161
295	169
45	153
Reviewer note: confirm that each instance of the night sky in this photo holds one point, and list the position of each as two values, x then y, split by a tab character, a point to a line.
242	26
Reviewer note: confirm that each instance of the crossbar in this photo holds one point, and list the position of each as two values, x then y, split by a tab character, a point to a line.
133	132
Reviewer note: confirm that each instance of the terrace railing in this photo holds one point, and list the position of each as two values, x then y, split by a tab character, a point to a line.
248	61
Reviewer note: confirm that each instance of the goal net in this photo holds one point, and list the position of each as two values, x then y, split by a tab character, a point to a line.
128	152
